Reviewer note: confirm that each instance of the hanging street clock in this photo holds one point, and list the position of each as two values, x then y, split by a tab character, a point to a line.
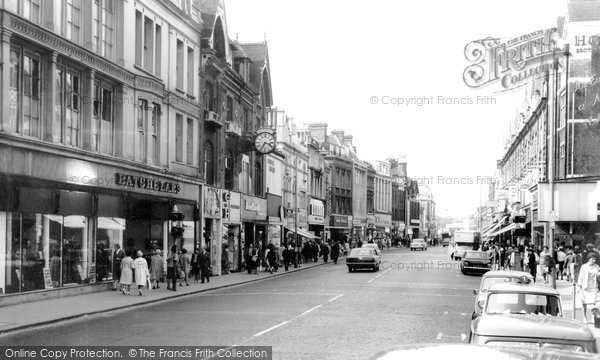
265	142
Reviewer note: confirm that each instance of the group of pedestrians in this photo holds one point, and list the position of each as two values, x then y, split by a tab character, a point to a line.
180	266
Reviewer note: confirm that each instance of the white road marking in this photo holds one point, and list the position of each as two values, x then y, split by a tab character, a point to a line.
445	313
463	314
309	310
378	276
335	298
439	336
270	329
463	337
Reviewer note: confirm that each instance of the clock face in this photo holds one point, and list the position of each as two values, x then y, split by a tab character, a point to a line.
264	142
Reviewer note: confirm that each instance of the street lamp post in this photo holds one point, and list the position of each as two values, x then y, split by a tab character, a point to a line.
176	225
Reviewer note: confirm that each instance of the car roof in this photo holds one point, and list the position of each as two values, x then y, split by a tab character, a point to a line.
370	245
506	274
532	326
419	239
512	287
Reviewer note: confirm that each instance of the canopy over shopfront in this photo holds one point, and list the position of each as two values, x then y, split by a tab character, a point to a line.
304	233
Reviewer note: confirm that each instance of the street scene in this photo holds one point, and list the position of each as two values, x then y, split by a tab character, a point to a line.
260	179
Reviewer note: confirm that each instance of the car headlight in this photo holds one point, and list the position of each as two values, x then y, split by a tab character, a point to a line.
466	263
489	265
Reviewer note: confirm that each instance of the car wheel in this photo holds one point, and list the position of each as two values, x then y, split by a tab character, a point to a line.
349	269
474	315
377	268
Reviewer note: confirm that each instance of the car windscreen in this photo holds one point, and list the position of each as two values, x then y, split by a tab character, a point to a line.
361	252
475	255
523	303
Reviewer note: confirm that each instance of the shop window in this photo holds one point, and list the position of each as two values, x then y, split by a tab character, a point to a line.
24	88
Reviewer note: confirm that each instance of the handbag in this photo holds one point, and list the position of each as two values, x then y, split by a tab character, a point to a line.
254	258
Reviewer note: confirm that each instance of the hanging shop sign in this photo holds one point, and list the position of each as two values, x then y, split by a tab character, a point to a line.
212	203
143	182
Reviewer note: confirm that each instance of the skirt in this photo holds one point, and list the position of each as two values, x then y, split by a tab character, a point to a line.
589	296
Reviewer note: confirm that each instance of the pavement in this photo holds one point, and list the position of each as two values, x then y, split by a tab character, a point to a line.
45	312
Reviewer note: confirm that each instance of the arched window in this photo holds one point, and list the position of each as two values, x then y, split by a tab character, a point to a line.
258	179
209	163
229	166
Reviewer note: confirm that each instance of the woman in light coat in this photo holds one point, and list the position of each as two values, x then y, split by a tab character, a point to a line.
141	271
587	283
157	269
126	273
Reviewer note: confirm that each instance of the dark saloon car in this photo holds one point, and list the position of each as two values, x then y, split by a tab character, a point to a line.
363	258
535	332
475	262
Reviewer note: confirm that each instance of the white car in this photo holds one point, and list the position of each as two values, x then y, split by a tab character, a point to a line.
420	244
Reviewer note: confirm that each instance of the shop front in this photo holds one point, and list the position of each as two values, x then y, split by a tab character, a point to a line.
370	229
60	231
383	224
316	218
340	227
212	226
275	216
232	229
254	221
359	226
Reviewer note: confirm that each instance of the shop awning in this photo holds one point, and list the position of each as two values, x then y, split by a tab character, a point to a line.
489	231
503	230
304	233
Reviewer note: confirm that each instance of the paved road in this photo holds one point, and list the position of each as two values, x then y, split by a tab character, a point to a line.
320	313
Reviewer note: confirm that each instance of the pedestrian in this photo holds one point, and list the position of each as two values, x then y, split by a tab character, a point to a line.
142	274
353	243
271	258
204	261
531	263
316	251
172	269
287	257
360	243
561	257
545	263
588	284
569	259
335	252
195	262
118	255
325	252
186	266
157	269
126	273
250	259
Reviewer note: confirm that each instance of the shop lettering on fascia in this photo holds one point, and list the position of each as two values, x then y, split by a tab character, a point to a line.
254	208
232	212
143	182
340	221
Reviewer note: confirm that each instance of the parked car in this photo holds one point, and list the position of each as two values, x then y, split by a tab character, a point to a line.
495	277
471	351
363	258
522	299
420	244
475	262
535	332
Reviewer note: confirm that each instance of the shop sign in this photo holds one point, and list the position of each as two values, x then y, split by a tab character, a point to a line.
383	220
212	203
401	226
147	183
338	220
254	208
359	222
510	63
48	284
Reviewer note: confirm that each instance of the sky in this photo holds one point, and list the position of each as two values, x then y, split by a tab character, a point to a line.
363	67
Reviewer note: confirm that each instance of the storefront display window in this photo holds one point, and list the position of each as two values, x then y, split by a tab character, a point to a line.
43	251
109	233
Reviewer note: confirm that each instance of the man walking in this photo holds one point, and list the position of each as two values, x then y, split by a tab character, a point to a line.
287	257
335	252
204	260
118	255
